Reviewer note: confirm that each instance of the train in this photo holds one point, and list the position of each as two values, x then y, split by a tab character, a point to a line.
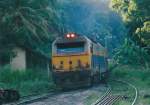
78	61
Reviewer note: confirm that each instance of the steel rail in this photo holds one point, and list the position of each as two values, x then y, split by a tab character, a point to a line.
106	99
113	100
108	91
131	85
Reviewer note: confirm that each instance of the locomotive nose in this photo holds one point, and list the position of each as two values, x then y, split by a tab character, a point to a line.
71	62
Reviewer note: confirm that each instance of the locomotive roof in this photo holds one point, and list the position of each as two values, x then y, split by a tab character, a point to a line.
66	40
79	38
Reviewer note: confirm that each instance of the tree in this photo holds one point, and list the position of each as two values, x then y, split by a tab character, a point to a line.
144	33
136	16
27	23
94	19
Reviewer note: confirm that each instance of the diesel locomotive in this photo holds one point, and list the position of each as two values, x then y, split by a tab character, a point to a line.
78	61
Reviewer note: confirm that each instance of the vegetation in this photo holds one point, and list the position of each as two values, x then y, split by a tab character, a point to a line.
138	76
94	19
27	82
30	24
134	54
91	99
136	16
35	23
130	53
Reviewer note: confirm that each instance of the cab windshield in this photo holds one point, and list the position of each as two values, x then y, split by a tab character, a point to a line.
64	48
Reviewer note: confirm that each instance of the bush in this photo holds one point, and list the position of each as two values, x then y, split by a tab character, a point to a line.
132	54
26	82
130	73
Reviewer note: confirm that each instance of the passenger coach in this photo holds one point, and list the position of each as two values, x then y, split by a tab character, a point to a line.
78	61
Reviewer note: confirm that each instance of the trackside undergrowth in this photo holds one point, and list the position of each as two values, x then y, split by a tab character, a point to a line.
27	82
138	76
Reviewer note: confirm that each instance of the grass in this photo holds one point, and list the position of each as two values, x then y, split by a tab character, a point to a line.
27	82
138	76
91	98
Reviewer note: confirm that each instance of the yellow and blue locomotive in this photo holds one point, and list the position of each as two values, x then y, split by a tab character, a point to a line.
78	61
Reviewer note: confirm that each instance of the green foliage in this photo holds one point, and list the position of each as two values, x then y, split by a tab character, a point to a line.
94	19
136	16
26	82
26	18
130	53
28	23
135	73
138	76
144	33
9	76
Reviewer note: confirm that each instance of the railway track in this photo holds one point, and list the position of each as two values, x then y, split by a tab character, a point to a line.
109	99
132	86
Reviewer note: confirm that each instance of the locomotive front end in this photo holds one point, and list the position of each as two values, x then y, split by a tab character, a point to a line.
71	61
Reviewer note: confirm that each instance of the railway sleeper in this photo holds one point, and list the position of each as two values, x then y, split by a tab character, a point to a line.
109	100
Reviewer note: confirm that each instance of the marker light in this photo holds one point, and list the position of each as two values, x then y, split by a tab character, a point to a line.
72	35
68	35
